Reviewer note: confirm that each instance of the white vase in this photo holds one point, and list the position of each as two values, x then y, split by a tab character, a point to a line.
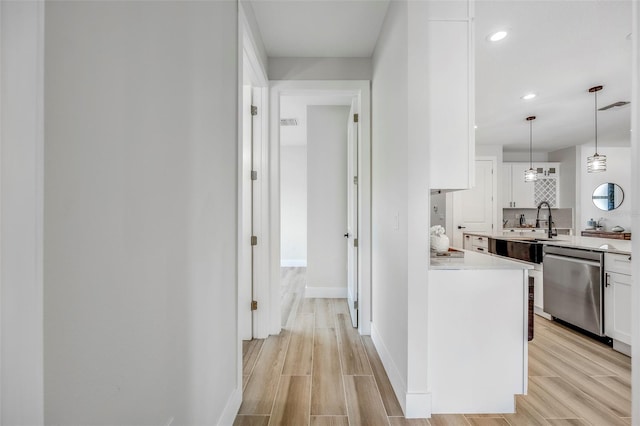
440	243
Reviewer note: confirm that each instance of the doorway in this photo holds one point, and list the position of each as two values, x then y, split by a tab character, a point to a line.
317	199
352	235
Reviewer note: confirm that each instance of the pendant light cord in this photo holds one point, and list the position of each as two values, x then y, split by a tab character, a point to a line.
596	118
531	144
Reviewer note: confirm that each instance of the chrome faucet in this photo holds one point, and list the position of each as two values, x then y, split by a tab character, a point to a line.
549	220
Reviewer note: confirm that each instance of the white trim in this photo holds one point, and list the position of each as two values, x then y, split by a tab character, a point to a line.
398	383
325	292
293	263
418	406
635	212
230	411
361	89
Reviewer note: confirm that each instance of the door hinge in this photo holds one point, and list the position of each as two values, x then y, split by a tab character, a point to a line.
254	175
355	304
254	305
355	242
355	118
254	240
355	180
254	110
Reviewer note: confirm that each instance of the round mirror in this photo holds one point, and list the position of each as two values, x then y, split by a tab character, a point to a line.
608	196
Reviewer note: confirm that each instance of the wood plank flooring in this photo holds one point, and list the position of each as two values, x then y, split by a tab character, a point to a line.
319	371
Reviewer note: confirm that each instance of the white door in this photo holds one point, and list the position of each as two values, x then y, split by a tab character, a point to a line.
473	208
352	215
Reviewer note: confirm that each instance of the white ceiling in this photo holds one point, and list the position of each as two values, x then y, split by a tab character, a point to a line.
556	48
296	107
320	28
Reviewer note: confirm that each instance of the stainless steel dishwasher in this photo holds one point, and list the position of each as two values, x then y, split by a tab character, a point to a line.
573	290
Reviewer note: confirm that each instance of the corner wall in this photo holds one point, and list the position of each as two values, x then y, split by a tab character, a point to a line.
390	93
140	304
21	150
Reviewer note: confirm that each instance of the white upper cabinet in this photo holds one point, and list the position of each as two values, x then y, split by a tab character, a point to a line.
516	193
451	95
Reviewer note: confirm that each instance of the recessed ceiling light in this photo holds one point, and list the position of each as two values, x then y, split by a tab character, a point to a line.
475	126
497	36
529	96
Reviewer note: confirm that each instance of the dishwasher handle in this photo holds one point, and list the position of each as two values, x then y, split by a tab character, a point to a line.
572	259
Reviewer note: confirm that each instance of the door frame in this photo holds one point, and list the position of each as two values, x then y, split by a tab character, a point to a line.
362	90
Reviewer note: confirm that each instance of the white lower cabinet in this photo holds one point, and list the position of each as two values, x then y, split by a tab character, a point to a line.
476	243
617	299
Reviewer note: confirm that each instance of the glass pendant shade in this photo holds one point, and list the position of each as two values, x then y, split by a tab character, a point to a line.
596	163
531	175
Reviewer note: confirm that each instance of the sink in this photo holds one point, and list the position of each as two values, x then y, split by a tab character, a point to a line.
521	248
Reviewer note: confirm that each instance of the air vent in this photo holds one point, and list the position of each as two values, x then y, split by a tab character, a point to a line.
614	105
288	122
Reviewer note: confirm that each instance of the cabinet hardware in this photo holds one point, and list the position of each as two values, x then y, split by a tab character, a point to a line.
607	282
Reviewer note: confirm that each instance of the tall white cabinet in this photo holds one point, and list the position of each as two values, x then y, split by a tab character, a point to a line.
451	95
516	193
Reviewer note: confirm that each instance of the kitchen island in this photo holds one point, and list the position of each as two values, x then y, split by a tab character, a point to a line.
608	304
478	329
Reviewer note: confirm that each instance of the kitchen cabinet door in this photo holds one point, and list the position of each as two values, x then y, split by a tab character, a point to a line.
451	103
507	200
467	242
522	192
617	313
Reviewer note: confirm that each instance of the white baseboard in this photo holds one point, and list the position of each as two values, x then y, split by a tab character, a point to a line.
326	292
542	313
293	263
398	384
414	405
231	409
418	406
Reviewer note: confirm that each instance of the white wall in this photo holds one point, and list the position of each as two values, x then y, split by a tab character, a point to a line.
140	212
389	198
293	210
569	191
327	196
21	150
320	69
255	37
523	157
618	171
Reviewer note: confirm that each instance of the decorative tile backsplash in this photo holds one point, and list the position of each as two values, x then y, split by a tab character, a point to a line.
562	218
546	190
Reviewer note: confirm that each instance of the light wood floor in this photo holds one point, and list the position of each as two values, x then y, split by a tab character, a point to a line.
319	371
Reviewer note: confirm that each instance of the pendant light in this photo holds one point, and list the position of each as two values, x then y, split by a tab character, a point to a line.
531	175
596	163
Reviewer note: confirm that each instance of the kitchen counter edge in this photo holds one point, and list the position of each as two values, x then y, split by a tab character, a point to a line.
475	261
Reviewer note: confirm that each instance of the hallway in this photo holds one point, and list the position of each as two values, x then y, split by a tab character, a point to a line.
319	371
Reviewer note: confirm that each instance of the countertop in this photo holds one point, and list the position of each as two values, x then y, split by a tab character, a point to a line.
590	243
475	261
